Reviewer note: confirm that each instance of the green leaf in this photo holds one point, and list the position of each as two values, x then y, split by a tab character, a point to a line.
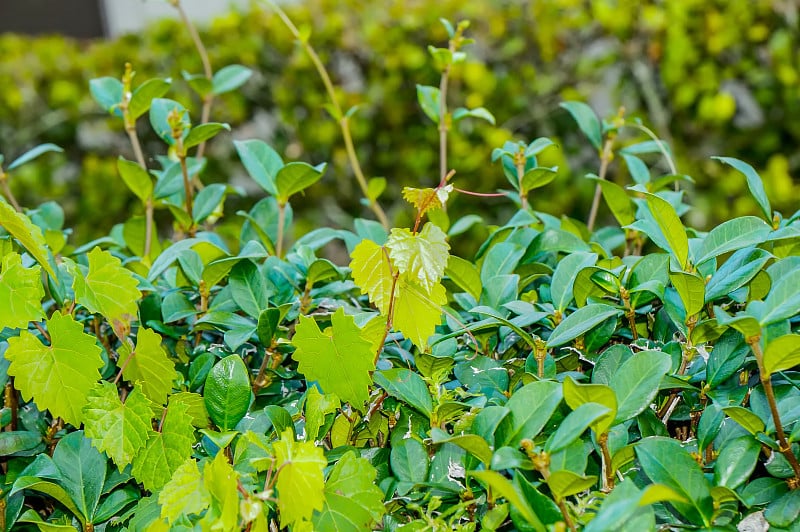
737	271
166	450
478	112
561	286
296	177
618	201
149	365
160	109
732	235
83	471
144	95
373	273
301	482
33	154
538	177
248	289
29	235
671	227
321	270
587	121
407	386
501	486
107	92
665	461
48	488
637	381
207	201
409	461
465	275
782	353
185	493
754	183
109	289
203	132
338	358
736	461
268	321
317	407
422	256
691	289
136	178
524	421
576	395
746	418
472	443
21	293
573	426
120	430
58	377
352	500
230	78
622	511
783	300
429	98
221	481
636	167
30	516
784	512
417	313
261	162
580	322
227	392
564	483
18	440
199	83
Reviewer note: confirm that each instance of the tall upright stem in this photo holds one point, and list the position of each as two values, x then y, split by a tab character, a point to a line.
605	159
444	125
281	228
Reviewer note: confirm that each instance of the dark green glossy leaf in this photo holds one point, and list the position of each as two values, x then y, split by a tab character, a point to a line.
407	386
636	382
573	426
736	461
733	235
227	392
580	322
207	201
524	421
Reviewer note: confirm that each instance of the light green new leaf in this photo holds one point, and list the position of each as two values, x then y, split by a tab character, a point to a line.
317	407
120	430
221	482
417	313
572	427
296	177
109	288
301	482
580	322
21	293
136	177
465	275
352	500
691	289
372	272
145	94
733	234
782	353
422	256
58	377
229	78
185	493
166	450
429	98
618	201
148	364
576	395
29	235
338	358
671	227
564	483
636	382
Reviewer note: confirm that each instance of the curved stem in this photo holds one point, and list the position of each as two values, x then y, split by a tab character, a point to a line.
7	191
647	131
605	159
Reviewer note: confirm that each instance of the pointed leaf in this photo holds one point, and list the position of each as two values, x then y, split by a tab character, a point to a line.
561	287
29	235
737	271
691	289
149	365
423	199
317	407
160	109
144	95
737	460
185	493
221	481
230	78
782	353
637	381
576	395
573	426
429	98
754	183
671	227
422	256
338	358
618	201
227	392
203	132
83	471
732	235
107	92
417	312
33	154
524	421
21	293
352	500
580	322
58	377
783	300
587	121
136	178
301	482
260	161
407	386
500	485
373	273
564	483
538	177
296	177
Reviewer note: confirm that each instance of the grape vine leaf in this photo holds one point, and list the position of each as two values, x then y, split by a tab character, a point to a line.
418	312
422	256
166	450
58	377
301	482
221	480
148	364
338	358
185	493
21	293
109	288
373	273
119	429
29	235
352	500
424	199
317	407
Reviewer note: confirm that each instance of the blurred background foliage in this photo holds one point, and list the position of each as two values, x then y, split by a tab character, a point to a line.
713	77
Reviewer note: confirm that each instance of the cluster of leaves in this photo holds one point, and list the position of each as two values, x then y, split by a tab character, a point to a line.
625	377
713	76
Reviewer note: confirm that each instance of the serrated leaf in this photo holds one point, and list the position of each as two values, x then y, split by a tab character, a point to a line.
417	313
422	256
116	428
148	364
671	227
338	358
58	377
754	183
21	293
423	199
587	121
185	493
221	482
29	235
317	407
166	450
352	500
109	288
301	482
373	273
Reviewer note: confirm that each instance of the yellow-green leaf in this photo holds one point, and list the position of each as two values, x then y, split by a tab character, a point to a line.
109	288
576	395
418	312
148	364
782	353
119	429
58	377
29	235
301	482
21	293
422	256
372	273
352	500
671	227
338	358
185	493
220	480
423	199
691	289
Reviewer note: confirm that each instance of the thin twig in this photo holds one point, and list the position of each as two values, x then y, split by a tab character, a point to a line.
7	191
605	159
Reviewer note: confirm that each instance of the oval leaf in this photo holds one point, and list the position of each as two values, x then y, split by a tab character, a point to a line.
227	392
